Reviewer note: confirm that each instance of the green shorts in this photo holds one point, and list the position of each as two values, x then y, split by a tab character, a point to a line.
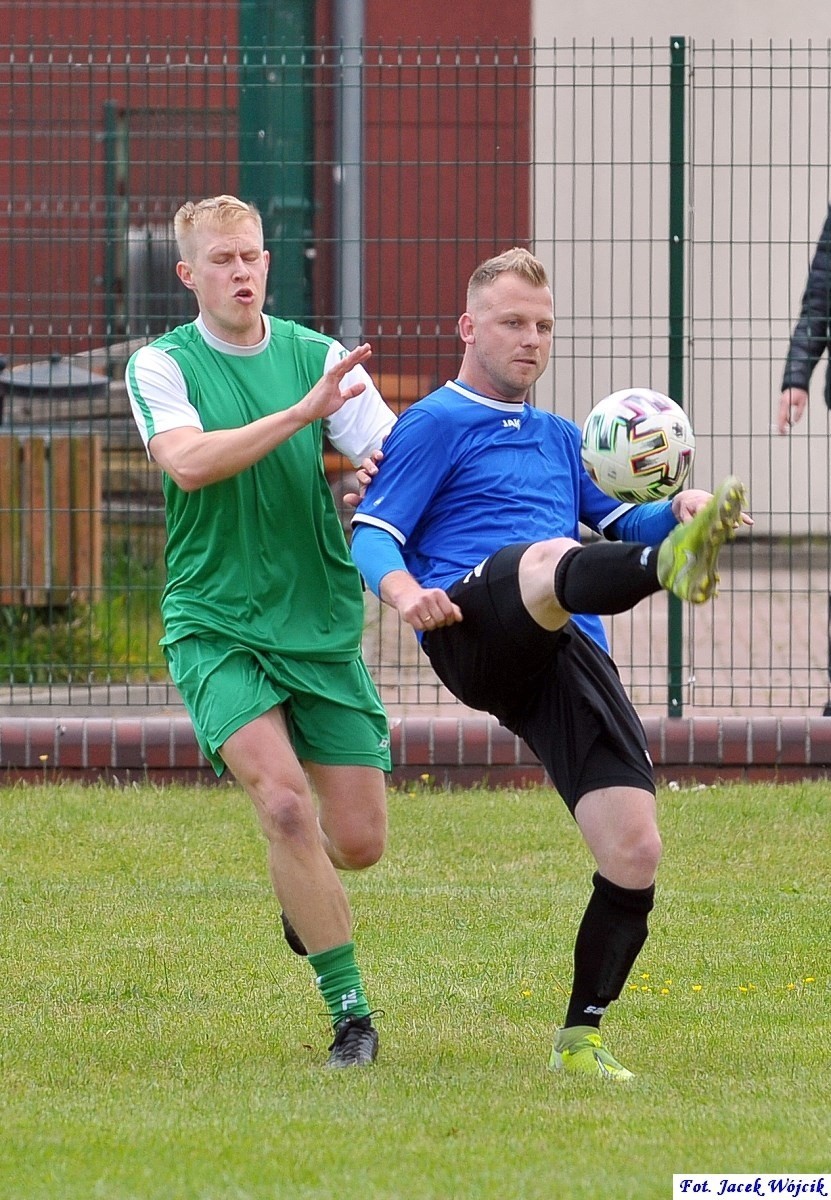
333	712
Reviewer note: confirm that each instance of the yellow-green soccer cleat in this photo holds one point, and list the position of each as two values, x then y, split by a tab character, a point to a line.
688	558
579	1050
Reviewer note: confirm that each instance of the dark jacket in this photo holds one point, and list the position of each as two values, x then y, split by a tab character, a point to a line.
812	334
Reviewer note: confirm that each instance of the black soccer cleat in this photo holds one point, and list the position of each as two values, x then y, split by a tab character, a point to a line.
291	936
355	1044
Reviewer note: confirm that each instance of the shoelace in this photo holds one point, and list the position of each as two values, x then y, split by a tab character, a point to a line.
361	1025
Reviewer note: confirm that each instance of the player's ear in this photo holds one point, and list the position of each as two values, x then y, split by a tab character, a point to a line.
466	328
184	272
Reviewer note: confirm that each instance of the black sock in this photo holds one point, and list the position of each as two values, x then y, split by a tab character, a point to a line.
606	577
610	937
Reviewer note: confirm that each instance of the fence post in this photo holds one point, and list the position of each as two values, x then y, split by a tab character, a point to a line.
276	142
826	712
677	169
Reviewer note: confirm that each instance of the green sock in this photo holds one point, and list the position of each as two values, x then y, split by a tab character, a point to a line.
339	980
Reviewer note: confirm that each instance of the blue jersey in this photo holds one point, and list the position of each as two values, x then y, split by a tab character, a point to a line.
464	475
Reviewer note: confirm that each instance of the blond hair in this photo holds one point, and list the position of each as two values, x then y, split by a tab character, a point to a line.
516	261
216	210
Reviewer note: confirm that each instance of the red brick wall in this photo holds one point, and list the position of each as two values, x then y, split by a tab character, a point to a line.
60	65
447	166
447	147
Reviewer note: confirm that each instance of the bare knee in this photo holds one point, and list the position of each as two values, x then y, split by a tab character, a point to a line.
353	814
542	557
357	846
287	815
634	861
362	854
621	830
536	581
646	853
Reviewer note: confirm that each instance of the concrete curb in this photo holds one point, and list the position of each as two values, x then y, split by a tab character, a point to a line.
451	751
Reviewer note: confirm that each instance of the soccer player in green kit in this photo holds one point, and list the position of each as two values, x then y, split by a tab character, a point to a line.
263	607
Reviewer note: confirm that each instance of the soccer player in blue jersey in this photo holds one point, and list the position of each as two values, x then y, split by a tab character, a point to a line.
263	607
470	529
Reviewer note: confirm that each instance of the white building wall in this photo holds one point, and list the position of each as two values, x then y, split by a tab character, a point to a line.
758	137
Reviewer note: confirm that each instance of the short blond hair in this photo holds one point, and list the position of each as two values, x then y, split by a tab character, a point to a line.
516	261
216	210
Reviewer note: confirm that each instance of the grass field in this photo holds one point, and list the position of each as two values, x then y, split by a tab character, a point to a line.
160	1042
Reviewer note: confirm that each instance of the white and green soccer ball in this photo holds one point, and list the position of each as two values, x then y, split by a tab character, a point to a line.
638	445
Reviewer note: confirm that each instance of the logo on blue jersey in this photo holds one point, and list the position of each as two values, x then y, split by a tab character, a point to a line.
511	423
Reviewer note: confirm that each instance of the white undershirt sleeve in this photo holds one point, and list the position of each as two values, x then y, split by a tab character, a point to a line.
158	394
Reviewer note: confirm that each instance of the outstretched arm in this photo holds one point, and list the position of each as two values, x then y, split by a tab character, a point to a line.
687	503
194	458
651	523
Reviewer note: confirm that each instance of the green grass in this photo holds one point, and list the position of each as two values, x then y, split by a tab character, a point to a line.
160	1042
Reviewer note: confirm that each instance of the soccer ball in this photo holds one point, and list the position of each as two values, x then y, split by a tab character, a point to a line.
638	445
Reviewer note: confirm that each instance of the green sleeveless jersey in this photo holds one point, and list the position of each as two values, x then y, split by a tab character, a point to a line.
260	556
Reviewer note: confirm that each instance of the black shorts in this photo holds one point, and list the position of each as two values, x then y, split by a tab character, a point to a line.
559	691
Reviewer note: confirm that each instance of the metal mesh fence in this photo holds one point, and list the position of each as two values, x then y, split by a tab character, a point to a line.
675	192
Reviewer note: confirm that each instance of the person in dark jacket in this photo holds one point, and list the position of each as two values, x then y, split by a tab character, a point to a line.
811	336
